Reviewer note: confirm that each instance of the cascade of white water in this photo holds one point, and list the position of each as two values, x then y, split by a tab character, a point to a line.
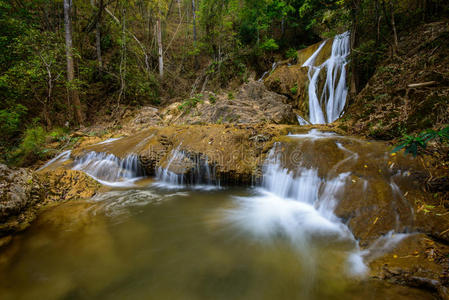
109	169
302	121
297	203
273	67
200	174
60	158
331	103
168	177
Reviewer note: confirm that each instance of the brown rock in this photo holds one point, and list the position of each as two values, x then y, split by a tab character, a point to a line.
20	193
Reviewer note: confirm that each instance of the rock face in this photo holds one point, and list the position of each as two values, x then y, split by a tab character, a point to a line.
252	103
20	193
23	193
64	185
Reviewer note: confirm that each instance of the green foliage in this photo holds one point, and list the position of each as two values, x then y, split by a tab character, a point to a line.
412	144
190	103
292	53
10	122
269	45
294	89
212	98
57	135
230	96
31	147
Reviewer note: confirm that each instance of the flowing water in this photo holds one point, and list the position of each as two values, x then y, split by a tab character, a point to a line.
180	238
327	106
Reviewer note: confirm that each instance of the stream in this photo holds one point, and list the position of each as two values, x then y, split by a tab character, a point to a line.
160	238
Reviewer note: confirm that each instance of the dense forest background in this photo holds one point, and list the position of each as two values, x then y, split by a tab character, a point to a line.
64	63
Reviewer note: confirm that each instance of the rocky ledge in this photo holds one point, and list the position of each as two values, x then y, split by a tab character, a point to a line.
24	192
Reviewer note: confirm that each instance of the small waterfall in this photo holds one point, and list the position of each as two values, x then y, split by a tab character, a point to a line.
273	67
108	169
298	205
329	106
58	159
182	170
302	121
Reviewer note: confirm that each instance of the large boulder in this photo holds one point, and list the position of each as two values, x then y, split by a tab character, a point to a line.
20	193
24	192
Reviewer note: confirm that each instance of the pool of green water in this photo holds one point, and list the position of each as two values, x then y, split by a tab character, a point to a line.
153	243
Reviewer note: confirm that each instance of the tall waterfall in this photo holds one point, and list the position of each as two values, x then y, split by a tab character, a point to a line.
327	105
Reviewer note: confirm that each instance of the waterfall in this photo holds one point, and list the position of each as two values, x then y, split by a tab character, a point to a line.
302	121
299	205
109	169
58	159
273	67
182	170
329	106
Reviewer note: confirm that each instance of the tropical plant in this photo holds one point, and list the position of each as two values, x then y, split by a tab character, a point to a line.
413	143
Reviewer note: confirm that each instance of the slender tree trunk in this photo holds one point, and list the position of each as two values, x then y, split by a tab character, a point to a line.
159	44
282	27
355	79
393	25
194	21
74	96
98	32
122	68
179	8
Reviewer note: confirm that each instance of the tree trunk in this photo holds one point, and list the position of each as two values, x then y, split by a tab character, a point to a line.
179	8
194	21
393	25
98	32
159	44
48	101
355	79
74	96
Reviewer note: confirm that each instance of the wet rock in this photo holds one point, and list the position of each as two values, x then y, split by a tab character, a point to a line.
234	152
20	193
64	185
416	261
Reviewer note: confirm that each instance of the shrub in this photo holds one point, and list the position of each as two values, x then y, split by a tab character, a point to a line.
31	147
10	120
412	144
212	98
292	53
269	45
294	89
191	102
